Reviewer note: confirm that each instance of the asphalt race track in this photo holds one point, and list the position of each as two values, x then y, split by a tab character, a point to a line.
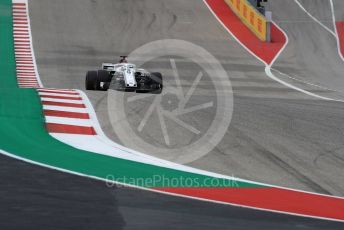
34	196
276	135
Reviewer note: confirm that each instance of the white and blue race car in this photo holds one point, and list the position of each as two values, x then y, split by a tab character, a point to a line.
123	76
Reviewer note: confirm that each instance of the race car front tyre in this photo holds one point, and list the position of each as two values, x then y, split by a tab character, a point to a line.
92	82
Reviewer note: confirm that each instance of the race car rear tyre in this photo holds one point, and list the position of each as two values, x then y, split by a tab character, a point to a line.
92	82
157	81
104	76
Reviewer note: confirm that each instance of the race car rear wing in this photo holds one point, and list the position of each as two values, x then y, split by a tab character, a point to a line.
108	66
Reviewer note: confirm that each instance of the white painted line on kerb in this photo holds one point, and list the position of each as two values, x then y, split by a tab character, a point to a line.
50	90
68	121
62	100
58	94
65	109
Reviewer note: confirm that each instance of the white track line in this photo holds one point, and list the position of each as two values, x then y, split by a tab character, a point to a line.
335	33
305	82
272	76
314	18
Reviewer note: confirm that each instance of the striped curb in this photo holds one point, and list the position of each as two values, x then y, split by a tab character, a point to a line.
65	112
26	68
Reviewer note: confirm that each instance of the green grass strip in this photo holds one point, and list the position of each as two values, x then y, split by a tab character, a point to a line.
7	59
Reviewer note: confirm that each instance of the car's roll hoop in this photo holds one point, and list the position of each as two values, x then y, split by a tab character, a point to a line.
123	59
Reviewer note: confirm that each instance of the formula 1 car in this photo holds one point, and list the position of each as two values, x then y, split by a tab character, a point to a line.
123	76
